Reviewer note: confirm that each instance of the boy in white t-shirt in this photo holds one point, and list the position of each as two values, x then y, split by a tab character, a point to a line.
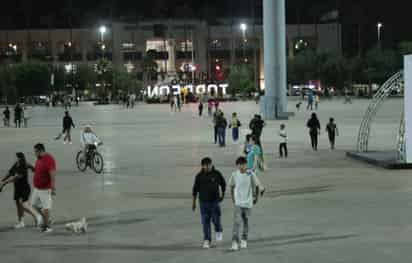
283	145
244	186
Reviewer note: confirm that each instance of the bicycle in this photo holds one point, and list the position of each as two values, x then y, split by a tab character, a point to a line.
92	158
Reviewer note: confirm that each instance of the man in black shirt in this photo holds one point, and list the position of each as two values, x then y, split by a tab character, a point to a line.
17	115
256	126
332	131
68	124
206	185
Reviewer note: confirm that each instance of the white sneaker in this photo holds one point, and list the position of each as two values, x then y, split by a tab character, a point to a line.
206	244
243	244
235	246
47	229
19	225
219	236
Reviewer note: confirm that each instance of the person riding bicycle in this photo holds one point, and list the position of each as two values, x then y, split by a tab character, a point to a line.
89	140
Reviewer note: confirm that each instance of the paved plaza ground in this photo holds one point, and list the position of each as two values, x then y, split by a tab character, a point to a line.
319	207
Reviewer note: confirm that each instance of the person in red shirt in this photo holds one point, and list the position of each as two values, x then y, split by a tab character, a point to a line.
44	184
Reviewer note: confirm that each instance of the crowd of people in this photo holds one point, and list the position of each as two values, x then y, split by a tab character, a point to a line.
209	186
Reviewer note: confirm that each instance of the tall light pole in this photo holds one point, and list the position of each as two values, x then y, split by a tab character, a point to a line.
379	26
102	31
243	28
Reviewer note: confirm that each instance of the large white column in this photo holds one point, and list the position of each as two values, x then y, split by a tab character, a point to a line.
408	107
274	104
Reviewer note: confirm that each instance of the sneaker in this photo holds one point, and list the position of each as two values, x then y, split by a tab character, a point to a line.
19	225
46	229
235	246
219	236
243	244
206	244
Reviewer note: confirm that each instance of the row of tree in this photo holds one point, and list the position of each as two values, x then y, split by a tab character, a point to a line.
36	78
335	70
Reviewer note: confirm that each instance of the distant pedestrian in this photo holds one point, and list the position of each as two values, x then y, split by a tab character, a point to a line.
283	145
68	124
235	125
210	188
6	117
200	108
178	103
172	103
221	129
210	107
314	130
18	111
245	189
26	116
317	101
332	130
216	105
310	100
215	117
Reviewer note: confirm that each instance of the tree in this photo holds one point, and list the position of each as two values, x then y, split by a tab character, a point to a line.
149	66
31	78
126	82
85	77
240	80
381	64
8	91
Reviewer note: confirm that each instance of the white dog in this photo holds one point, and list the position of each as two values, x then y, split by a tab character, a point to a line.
79	227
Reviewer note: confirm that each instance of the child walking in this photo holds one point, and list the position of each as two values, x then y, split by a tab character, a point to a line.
283	145
235	125
244	186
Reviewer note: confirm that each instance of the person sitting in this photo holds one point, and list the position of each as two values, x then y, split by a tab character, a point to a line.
89	140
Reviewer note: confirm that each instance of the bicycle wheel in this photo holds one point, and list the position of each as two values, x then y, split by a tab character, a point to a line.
81	161
97	162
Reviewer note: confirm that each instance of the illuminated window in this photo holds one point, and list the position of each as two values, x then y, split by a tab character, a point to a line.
186	46
128	45
158	45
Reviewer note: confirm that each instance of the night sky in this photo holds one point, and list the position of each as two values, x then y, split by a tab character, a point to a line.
366	13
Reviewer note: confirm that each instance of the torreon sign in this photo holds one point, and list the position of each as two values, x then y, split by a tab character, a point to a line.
176	89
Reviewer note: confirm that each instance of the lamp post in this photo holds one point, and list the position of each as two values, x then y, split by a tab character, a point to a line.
243	28
379	26
103	31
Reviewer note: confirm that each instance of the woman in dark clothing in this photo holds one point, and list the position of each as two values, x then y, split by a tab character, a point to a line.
314	130
18	175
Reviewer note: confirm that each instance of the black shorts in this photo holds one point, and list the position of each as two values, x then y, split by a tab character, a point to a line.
22	194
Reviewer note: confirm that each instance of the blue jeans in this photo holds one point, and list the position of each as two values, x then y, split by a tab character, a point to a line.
221	134
235	134
210	212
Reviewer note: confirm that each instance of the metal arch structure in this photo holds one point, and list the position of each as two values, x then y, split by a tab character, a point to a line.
394	83
401	140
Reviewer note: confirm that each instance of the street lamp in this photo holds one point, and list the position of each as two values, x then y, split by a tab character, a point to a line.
379	25
243	27
103	31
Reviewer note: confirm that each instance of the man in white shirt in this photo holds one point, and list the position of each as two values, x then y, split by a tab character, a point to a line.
283	145
244	186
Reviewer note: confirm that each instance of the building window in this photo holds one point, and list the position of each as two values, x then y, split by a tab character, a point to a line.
128	45
186	46
157	45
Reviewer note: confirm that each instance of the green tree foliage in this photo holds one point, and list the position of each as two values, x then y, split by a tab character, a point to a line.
31	78
240	80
